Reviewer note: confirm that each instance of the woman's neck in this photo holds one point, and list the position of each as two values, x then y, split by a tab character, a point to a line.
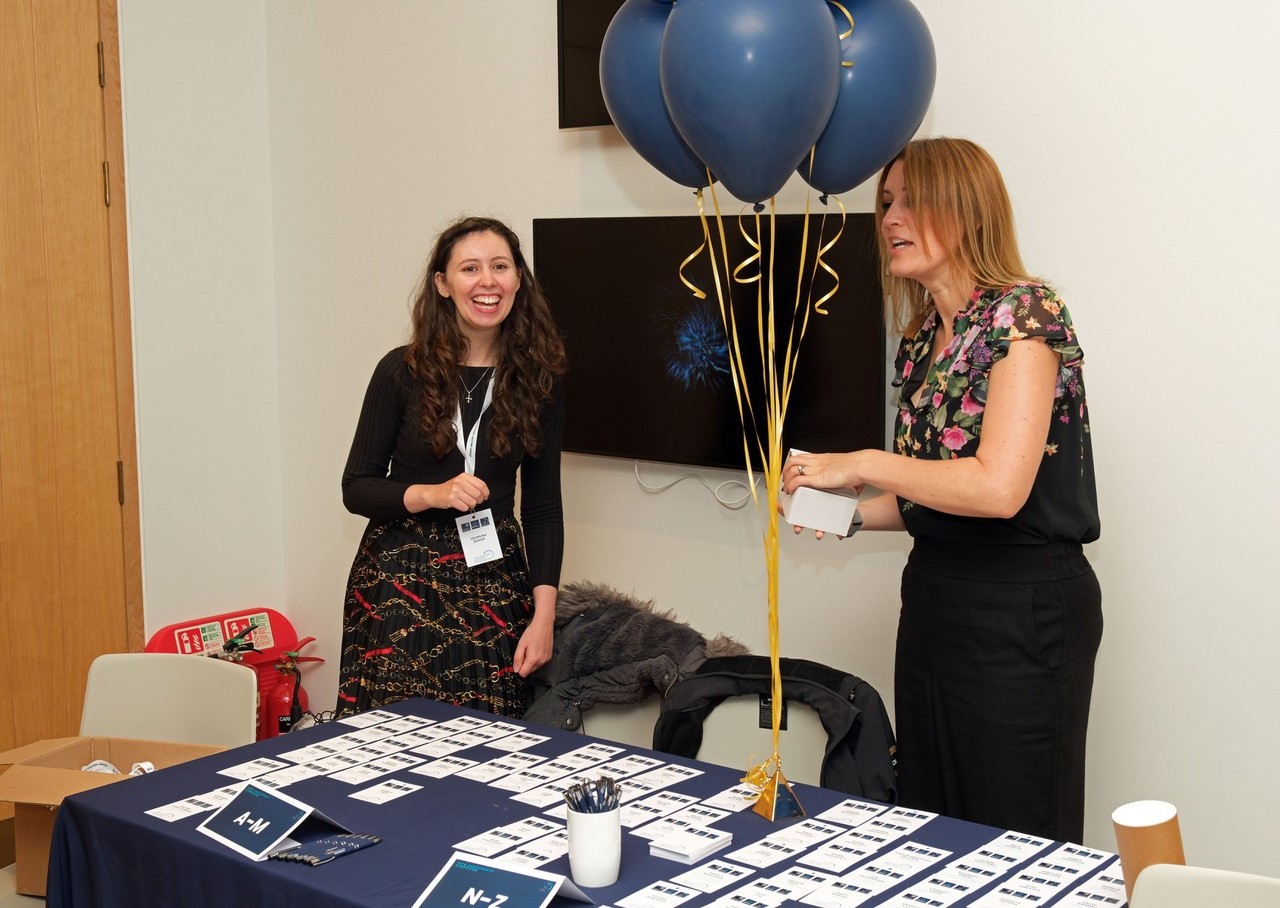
950	297
481	352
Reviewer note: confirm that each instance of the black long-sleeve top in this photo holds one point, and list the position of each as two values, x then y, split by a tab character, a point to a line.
389	453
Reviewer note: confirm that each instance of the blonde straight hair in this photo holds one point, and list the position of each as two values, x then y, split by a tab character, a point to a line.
954	185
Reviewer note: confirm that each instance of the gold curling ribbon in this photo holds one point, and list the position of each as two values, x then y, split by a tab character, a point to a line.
776	799
697	293
729	319
821	262
848	15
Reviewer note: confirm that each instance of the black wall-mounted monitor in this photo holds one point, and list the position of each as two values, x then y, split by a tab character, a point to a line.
647	373
580	28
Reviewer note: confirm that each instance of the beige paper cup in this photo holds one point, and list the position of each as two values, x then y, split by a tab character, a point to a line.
1147	833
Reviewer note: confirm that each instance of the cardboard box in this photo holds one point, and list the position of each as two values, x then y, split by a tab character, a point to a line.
37	777
6	835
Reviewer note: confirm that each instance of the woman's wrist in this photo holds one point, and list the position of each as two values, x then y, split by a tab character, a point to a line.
417	497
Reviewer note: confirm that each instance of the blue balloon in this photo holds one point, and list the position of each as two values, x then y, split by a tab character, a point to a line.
750	85
883	96
633	93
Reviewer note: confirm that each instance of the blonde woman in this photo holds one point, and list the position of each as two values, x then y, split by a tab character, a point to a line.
992	475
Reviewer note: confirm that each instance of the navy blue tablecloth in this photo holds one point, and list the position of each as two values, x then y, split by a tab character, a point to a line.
107	852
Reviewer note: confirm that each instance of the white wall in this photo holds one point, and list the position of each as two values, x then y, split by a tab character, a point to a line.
204	306
322	143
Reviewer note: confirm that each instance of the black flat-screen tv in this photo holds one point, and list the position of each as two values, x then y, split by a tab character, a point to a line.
580	28
648	377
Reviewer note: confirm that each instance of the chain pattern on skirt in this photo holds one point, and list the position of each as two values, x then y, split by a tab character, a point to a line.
419	623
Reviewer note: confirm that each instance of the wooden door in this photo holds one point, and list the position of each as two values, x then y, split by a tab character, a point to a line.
70	578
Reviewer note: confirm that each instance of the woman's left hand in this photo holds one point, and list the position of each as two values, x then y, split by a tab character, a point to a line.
538	640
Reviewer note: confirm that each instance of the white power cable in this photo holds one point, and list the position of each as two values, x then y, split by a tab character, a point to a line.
733	504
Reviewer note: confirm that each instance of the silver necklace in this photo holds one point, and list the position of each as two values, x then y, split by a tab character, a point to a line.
479	381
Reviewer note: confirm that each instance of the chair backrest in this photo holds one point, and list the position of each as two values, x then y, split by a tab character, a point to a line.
167	697
1178	886
853	750
732	736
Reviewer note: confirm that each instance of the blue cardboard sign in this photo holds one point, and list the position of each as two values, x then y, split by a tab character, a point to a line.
257	820
470	881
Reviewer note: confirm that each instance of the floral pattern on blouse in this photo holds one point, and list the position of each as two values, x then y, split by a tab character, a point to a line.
948	421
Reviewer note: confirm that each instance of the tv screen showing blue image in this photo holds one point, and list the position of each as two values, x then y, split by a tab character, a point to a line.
649	376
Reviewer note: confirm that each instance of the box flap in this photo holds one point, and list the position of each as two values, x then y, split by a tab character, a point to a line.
24	784
21	754
50	773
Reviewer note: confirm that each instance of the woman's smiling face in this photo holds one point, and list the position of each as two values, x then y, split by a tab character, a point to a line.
482	280
915	250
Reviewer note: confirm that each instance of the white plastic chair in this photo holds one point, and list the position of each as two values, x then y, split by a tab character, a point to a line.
1178	886
169	697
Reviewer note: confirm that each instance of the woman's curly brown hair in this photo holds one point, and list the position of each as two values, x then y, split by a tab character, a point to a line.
529	358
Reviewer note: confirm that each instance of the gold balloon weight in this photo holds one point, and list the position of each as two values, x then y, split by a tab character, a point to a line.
777	800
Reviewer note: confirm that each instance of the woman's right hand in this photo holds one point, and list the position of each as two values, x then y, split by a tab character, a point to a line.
822	471
462	493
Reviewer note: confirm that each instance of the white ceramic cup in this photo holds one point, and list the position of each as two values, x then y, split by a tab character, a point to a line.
595	847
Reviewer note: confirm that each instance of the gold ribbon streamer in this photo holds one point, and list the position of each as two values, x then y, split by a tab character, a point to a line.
706	237
729	319
778	377
821	262
848	15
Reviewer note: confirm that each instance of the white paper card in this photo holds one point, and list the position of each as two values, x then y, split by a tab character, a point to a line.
478	534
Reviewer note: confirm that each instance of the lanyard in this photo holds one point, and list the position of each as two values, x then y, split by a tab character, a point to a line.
468	445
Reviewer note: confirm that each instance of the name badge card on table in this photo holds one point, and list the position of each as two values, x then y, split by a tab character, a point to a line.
470	881
257	822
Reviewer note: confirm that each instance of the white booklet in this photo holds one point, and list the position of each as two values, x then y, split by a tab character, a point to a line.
690	845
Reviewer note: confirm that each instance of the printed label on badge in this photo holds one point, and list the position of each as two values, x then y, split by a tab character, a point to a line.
479	535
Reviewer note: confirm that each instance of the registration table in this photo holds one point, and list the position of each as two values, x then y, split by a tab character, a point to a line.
427	777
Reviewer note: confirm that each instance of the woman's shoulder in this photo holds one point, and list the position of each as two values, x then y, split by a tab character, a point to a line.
394	362
396	356
1028	305
392	372
1026	293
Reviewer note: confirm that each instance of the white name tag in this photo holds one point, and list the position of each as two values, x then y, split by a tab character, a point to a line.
479	535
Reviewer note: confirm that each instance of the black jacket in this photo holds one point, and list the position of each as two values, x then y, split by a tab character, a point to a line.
860	744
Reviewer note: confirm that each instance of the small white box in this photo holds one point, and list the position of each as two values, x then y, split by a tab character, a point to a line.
817	509
831	512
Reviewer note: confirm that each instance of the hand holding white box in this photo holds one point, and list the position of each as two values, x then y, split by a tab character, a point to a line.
817	509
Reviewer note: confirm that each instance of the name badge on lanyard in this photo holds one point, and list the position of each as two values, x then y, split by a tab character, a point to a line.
477	531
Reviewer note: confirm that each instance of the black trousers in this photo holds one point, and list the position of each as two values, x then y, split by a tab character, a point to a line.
993	677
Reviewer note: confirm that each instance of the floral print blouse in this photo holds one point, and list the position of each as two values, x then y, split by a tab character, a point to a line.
947	422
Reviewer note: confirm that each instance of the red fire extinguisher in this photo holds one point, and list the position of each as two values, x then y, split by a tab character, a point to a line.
261	639
284	702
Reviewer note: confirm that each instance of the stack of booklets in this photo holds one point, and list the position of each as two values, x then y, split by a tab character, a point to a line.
690	845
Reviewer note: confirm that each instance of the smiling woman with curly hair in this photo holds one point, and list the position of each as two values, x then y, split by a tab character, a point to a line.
447	423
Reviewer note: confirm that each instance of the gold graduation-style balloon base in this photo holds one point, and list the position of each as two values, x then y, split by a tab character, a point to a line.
777	801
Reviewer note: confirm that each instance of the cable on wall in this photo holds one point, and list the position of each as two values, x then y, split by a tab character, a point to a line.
716	491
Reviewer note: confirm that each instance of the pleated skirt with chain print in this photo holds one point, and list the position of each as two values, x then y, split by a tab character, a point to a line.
418	622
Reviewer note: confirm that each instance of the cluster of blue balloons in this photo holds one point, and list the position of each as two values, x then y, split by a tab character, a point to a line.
745	88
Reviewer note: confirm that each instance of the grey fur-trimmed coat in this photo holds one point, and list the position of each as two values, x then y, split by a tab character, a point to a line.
613	648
